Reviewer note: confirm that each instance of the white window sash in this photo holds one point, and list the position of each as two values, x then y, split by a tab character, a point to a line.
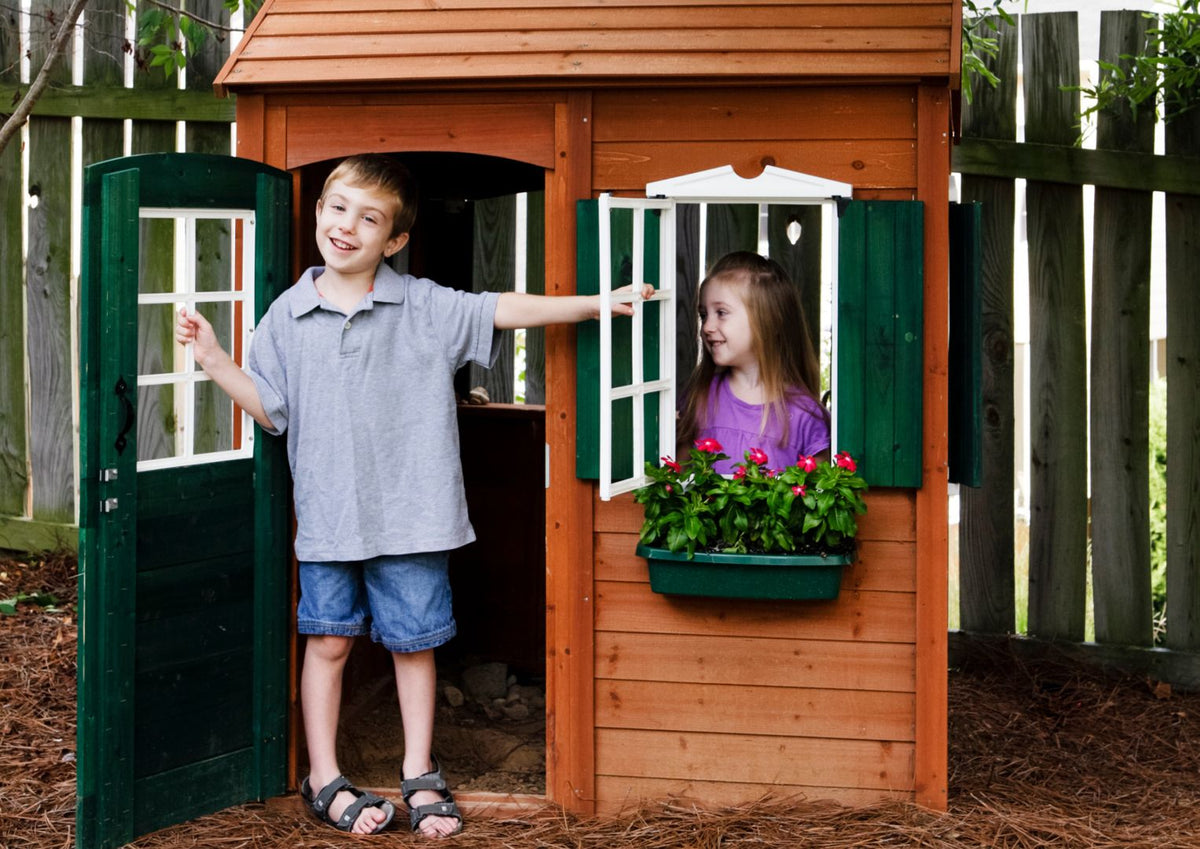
639	387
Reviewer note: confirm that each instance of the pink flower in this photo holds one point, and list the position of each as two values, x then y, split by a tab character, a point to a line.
709	444
845	461
670	488
799	490
757	456
671	464
771	472
809	464
739	473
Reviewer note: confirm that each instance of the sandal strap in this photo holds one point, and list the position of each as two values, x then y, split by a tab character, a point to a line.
322	800
364	800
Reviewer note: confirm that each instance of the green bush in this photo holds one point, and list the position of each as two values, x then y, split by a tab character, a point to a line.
1158	502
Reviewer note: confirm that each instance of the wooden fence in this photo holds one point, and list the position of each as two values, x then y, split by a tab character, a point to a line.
38	327
1070	522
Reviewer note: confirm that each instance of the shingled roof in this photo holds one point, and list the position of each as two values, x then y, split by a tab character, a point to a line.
568	42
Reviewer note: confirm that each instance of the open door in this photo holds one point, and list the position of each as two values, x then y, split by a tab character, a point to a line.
183	548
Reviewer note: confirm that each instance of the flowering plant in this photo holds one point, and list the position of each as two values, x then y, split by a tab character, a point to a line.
804	508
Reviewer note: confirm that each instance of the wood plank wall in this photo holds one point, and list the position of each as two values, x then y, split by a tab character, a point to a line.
720	700
723	700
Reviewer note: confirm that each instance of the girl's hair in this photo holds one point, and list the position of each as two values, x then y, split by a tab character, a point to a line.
787	362
380	173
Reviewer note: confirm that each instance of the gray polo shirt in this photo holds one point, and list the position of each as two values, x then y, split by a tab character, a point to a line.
367	403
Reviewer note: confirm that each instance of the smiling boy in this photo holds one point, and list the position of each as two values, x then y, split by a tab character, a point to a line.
354	365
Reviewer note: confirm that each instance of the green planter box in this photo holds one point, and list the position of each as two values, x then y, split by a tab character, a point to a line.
766	576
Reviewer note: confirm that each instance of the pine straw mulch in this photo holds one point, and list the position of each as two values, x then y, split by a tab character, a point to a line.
1041	754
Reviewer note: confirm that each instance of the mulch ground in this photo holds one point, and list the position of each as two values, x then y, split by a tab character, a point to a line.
1041	754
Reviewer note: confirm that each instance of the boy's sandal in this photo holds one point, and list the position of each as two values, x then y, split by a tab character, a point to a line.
434	781
319	804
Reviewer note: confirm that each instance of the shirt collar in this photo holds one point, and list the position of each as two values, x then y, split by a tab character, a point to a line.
304	297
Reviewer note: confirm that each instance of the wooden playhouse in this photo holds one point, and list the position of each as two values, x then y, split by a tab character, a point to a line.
650	696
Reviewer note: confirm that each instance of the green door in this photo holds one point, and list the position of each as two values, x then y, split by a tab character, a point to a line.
183	506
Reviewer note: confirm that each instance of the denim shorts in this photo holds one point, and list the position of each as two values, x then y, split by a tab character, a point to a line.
402	601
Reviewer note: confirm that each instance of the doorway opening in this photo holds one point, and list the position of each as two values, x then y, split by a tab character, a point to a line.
480	227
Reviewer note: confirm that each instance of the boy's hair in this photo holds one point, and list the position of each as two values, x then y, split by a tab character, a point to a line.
780	340
382	173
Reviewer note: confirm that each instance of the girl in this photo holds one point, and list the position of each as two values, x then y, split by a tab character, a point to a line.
757	382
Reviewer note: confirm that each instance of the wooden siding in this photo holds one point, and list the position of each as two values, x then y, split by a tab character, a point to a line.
858	135
811	698
575	42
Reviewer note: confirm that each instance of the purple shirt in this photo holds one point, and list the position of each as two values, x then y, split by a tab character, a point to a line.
737	426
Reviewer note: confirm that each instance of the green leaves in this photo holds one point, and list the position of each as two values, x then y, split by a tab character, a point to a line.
8	606
809	507
1164	75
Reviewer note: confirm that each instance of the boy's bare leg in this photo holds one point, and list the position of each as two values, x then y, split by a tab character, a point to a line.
416	684
321	698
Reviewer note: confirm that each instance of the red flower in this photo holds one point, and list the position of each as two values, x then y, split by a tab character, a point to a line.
709	444
670	488
799	490
771	472
845	461
671	464
739	472
809	464
757	456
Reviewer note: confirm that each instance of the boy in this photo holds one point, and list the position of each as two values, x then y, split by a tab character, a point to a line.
355	365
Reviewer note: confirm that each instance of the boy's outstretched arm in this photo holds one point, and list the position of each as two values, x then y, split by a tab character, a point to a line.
193	328
516	309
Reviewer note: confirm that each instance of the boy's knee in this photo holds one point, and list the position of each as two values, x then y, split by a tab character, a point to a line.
329	647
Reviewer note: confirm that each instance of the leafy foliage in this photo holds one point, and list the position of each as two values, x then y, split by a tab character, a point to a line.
1165	75
168	36
979	18
808	507
1158	499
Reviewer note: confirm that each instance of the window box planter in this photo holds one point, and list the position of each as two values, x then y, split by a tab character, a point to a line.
762	576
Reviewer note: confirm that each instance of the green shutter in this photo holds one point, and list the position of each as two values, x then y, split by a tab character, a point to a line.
879	339
587	403
965	395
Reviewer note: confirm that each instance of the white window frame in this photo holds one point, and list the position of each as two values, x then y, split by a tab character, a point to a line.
185	375
717	185
638	387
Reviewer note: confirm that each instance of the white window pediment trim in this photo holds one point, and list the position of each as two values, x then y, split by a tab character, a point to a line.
773	185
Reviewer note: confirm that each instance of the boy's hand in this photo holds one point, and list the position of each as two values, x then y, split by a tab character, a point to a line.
193	328
622	308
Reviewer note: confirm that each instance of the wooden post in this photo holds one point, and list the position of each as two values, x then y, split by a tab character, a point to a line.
14	460
1183	397
1120	384
985	535
570	588
1058	387
933	188
48	304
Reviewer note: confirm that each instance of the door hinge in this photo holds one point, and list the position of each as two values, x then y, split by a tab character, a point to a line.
107	475
107	505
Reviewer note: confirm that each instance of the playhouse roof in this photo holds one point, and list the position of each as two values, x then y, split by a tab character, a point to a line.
572	42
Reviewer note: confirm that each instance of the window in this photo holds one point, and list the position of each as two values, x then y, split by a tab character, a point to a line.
183	418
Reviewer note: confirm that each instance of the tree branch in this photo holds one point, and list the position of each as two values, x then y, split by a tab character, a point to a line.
58	47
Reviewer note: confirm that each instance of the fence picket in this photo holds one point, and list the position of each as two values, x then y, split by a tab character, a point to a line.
14	466
1183	397
1058	389
48	298
1120	392
986	537
214	241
